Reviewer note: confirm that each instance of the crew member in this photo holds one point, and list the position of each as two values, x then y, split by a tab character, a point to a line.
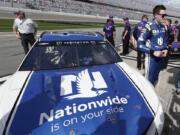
25	29
126	36
136	33
110	31
155	34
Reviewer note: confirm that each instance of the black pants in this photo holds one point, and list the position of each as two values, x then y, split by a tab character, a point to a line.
111	40
27	39
140	56
126	44
165	60
178	37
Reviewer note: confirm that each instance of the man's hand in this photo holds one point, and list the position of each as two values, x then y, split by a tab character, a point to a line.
164	53
123	37
18	36
158	53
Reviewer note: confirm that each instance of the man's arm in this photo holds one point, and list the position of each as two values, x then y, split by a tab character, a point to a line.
133	41
114	32
35	27
135	32
15	30
124	35
144	36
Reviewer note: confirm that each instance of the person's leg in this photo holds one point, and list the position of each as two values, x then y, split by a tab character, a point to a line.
154	69
143	60
111	40
124	46
139	59
165	60
126	40
178	37
31	39
24	43
151	72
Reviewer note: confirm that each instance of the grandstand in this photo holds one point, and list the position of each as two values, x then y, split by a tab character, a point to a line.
118	8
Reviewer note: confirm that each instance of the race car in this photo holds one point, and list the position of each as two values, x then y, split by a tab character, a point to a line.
75	83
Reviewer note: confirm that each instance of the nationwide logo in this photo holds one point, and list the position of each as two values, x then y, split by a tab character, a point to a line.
85	86
160	41
88	85
74	108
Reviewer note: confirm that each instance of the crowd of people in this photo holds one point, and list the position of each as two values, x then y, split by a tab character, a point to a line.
152	40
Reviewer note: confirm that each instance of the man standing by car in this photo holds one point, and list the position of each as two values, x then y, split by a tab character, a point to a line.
110	31
155	34
169	38
175	30
126	36
136	33
25	29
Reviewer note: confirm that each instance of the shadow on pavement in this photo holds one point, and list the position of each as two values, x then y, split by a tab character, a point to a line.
175	75
172	117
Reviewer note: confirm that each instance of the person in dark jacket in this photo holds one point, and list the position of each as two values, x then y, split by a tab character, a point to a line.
170	38
110	31
126	36
136	33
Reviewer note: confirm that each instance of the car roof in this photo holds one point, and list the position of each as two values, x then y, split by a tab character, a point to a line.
71	36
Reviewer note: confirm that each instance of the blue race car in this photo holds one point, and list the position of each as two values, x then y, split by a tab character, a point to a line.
75	83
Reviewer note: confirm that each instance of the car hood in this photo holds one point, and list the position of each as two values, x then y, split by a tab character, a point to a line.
97	100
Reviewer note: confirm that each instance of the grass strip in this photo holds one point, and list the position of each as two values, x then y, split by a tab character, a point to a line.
6	25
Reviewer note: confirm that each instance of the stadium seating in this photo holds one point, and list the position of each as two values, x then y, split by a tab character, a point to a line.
118	8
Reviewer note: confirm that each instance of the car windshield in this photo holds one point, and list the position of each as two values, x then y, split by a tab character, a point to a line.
58	55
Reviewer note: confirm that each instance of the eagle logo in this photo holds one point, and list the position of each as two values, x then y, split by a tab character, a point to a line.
87	88
160	41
